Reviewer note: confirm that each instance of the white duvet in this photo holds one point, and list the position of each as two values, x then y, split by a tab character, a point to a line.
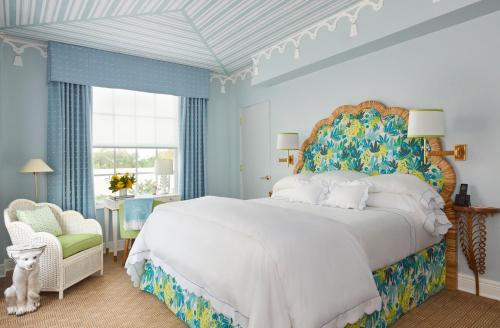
263	266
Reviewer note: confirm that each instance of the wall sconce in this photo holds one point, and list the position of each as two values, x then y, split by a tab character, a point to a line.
287	141
429	123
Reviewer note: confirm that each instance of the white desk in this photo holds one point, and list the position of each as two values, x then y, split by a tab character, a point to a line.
113	206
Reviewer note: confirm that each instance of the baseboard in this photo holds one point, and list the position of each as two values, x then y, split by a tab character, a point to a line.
7	265
487	288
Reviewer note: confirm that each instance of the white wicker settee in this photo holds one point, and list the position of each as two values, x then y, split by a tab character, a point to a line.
57	273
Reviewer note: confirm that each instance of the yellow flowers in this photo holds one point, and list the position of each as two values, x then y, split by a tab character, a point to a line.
118	182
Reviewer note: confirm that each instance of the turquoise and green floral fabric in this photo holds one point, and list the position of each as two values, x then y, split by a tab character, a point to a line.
368	143
406	284
195	311
402	286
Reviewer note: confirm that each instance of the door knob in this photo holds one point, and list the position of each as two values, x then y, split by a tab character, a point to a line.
266	177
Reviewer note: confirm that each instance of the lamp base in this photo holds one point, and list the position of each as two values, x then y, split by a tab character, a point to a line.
163	185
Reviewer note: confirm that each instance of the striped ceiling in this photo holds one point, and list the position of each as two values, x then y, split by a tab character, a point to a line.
220	35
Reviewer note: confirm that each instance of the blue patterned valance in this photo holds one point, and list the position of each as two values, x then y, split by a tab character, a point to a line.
81	65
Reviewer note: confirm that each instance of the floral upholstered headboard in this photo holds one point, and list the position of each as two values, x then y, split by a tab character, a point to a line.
372	138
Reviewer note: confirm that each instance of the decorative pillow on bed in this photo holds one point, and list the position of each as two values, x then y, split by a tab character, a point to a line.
406	184
351	194
309	193
327	178
283	187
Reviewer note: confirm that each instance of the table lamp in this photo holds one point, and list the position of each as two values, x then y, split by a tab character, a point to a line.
429	123
287	141
35	166
164	168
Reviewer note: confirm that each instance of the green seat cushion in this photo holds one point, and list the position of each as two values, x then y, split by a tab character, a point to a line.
40	220
74	243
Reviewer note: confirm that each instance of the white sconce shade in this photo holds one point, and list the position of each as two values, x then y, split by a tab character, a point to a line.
18	61
426	123
35	166
288	141
164	167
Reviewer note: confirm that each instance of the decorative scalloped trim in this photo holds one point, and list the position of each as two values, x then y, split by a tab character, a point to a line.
241	74
330	23
19	45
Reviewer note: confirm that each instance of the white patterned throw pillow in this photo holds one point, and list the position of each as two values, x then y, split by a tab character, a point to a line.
40	220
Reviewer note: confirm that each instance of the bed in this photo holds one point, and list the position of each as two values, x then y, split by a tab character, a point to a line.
219	262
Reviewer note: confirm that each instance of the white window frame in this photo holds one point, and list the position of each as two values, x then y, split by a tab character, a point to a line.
175	186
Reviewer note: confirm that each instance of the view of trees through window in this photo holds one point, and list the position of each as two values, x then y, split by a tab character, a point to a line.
138	161
131	130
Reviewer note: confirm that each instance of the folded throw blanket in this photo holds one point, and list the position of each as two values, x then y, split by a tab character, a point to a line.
136	212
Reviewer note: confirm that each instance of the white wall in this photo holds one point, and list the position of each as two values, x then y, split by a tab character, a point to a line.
456	69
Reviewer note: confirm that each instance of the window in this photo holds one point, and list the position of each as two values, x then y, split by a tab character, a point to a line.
130	130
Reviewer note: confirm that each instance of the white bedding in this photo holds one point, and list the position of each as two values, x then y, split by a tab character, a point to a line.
264	265
386	235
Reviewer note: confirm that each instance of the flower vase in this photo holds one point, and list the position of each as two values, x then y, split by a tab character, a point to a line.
123	192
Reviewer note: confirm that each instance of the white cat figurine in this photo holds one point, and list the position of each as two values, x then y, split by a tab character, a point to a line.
24	294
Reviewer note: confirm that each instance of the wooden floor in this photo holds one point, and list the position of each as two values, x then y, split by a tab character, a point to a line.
111	301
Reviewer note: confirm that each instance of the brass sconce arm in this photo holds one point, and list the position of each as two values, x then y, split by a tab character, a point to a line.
289	160
459	152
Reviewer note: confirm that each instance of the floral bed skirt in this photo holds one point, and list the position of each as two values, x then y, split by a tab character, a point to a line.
402	286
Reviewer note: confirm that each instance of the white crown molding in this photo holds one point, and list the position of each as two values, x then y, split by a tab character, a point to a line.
19	45
222	78
487	288
330	23
351	13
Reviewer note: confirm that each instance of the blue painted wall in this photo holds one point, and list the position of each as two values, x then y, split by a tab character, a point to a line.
23	121
455	69
23	128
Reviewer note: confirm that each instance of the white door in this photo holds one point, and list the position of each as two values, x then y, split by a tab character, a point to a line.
255	165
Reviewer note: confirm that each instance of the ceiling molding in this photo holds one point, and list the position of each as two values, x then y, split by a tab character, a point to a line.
330	23
18	45
222	78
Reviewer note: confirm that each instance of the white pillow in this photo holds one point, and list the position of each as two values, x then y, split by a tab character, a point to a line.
327	178
309	193
348	195
388	200
291	181
434	220
406	184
